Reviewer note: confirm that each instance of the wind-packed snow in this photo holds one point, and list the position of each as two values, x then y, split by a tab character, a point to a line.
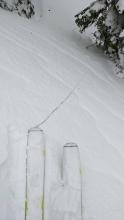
45	65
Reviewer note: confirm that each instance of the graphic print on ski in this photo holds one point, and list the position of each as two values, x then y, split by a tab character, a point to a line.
35	175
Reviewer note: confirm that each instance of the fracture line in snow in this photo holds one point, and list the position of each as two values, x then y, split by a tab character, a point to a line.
57	107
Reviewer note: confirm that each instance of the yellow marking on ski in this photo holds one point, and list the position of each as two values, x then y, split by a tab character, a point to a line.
42	203
44	152
81	172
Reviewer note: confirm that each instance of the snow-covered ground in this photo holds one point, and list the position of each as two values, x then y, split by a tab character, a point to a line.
44	64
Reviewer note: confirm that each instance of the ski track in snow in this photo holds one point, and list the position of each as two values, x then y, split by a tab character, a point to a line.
38	74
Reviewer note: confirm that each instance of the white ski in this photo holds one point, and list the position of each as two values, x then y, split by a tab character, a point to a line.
35	175
72	177
66	198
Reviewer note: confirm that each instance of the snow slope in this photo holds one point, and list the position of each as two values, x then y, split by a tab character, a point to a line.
42	66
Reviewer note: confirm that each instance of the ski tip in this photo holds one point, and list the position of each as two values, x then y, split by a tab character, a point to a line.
70	145
36	129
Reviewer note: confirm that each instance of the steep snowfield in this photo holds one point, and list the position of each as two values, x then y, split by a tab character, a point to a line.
43	67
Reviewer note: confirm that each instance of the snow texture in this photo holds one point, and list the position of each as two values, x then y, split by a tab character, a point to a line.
41	63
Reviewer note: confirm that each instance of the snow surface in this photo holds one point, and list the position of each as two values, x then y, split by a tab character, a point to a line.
41	63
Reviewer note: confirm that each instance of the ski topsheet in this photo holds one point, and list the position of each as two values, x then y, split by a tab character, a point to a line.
66	199
35	175
72	177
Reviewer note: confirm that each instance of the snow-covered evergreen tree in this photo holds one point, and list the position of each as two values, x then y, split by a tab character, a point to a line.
108	18
23	7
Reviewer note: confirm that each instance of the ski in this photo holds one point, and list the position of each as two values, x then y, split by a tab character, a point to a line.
72	176
35	175
66	197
